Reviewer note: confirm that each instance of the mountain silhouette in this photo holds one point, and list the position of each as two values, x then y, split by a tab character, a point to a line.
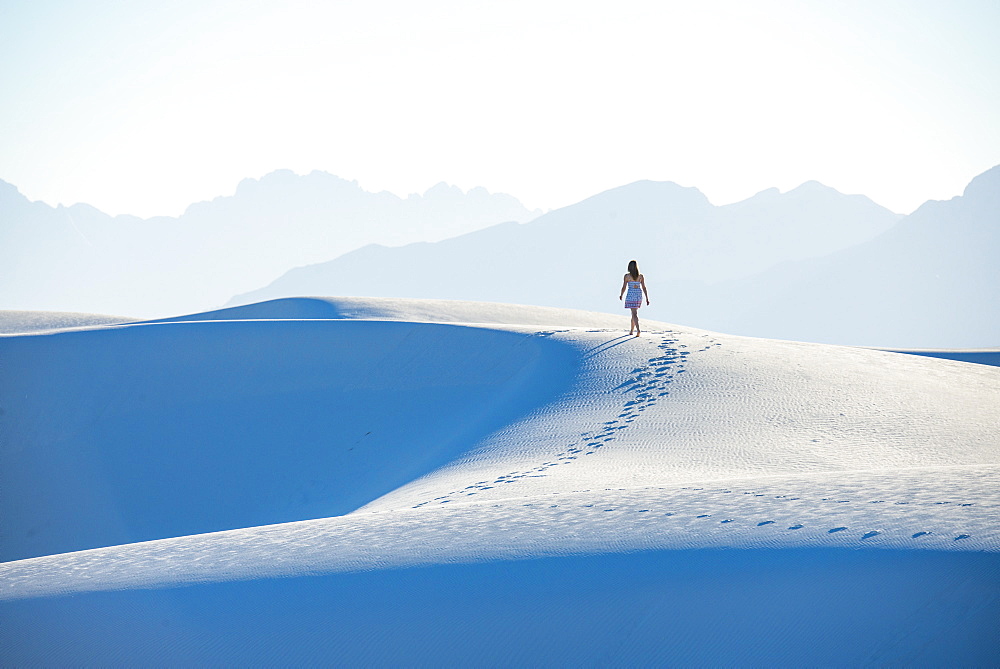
80	259
810	264
575	257
932	281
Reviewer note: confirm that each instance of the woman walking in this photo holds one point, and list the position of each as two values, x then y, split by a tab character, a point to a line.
636	285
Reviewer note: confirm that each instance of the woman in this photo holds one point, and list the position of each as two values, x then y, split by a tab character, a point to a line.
636	285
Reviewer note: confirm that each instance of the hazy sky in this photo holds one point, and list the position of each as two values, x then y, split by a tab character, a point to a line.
144	107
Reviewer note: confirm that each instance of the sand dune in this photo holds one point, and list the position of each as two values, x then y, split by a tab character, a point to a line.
24	322
256	421
685	497
411	310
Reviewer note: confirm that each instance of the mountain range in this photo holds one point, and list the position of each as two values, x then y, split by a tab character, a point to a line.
575	257
79	259
931	281
811	264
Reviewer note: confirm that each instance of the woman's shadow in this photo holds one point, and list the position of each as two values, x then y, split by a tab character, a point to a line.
601	348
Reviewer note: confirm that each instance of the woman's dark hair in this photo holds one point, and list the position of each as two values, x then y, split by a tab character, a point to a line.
633	269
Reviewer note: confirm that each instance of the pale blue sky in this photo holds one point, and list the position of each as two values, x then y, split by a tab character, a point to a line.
144	107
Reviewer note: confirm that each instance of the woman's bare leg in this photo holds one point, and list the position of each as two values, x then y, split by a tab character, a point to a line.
635	322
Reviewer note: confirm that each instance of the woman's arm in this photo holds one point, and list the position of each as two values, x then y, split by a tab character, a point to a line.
624	286
642	280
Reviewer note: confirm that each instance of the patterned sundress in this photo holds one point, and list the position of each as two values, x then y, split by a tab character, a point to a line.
633	298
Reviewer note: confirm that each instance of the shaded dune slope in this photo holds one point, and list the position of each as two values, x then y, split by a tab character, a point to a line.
982	356
791	608
143	432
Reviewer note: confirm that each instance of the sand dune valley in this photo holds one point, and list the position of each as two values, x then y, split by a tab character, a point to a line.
389	482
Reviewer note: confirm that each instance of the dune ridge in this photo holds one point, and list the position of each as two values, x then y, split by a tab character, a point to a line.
411	310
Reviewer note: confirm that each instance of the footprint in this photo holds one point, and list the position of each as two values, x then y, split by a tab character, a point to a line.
727	520
796	527
836	529
869	535
766	522
961	536
704	515
920	534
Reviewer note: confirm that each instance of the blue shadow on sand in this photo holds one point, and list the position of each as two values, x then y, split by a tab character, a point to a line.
143	432
792	607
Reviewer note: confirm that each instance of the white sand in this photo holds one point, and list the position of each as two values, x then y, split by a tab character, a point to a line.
24	322
451	443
